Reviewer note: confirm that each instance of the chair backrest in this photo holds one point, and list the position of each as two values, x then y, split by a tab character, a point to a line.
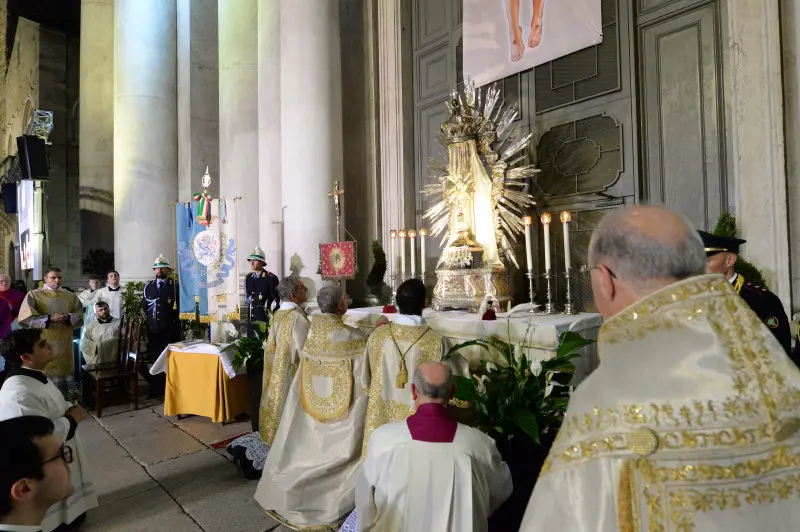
129	343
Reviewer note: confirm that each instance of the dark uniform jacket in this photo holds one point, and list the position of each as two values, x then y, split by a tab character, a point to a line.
768	307
162	307
261	293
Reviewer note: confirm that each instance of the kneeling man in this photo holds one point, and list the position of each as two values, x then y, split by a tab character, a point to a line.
309	476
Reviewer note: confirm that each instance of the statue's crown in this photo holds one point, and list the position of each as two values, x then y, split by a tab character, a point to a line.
464	122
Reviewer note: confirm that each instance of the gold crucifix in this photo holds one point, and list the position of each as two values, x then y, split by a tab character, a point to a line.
335	193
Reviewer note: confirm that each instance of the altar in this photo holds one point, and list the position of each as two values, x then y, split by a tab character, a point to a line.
538	333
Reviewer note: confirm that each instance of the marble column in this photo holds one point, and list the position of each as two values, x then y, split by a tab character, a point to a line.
395	121
270	214
311	130
145	134
753	82
790	26
238	117
198	97
96	125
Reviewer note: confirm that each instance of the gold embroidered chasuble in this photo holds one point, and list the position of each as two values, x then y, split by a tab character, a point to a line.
691	423
309	476
287	335
36	307
385	348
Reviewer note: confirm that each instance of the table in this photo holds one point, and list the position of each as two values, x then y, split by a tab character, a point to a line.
539	333
201	381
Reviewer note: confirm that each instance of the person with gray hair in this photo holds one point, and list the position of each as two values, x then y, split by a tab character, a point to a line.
691	385
309	477
430	472
288	330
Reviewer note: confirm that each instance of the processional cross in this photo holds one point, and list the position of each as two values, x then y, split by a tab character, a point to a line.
335	193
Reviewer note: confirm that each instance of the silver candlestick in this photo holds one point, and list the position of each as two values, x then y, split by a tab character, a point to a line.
568	308
549	308
531	293
394	289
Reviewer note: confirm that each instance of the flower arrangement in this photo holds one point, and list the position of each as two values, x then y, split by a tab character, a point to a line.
518	396
250	351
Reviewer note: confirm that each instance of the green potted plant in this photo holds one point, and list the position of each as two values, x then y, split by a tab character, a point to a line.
250	353
521	404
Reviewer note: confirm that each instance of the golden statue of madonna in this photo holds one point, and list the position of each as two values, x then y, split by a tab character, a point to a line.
481	199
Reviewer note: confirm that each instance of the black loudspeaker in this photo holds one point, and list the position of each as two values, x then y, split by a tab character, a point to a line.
9	193
33	161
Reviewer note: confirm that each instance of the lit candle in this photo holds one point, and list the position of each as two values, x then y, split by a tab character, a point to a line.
393	235
546	229
402	234
526	221
422	234
412	241
566	218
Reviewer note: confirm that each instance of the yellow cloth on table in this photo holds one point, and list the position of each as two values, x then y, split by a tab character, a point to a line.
197	384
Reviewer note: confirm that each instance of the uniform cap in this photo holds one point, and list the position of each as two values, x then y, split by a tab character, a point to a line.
161	262
257	254
717	243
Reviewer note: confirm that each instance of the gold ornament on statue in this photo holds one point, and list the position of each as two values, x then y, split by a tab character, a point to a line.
479	199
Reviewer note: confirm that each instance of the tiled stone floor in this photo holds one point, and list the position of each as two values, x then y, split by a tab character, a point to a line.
155	473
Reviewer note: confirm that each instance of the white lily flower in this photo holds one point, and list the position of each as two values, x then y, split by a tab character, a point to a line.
548	390
481	385
536	368
490	366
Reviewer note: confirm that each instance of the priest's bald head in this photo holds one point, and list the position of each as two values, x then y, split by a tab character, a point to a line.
433	383
638	250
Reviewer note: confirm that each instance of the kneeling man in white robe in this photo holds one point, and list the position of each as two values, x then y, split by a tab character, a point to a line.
429	472
309	476
100	342
27	392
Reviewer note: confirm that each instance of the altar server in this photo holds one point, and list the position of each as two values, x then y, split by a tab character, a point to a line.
691	420
309	476
287	335
28	392
393	353
58	312
429	472
112	294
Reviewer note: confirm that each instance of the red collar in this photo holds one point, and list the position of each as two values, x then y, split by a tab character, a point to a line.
432	423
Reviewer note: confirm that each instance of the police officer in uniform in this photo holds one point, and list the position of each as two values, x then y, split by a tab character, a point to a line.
160	304
260	289
721	253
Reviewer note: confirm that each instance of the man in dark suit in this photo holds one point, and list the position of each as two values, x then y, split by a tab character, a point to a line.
34	472
721	252
260	289
160	303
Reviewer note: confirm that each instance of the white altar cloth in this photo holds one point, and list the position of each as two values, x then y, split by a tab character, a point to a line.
201	348
538	332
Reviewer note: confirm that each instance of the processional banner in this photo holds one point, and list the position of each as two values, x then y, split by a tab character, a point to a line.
338	261
503	37
207	267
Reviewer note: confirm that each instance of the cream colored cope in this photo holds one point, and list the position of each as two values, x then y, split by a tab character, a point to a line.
690	423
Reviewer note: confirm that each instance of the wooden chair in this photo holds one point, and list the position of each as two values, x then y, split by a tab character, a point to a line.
120	377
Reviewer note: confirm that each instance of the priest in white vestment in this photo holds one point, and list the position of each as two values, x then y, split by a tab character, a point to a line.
57	312
100	341
691	422
393	353
309	476
113	294
429	472
288	330
28	392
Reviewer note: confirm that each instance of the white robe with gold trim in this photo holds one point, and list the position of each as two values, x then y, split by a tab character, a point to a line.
389	402
691	423
25	396
309	476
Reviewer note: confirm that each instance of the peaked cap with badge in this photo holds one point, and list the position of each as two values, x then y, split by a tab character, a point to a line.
161	262
257	254
763	302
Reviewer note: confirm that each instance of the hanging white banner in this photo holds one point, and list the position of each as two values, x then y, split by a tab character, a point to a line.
503	37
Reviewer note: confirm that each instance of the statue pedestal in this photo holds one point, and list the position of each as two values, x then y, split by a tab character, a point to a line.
466	288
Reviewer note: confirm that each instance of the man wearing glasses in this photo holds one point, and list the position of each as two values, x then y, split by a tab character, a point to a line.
28	392
34	472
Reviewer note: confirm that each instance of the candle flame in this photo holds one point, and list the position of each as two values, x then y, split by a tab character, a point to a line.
412	233
401	233
546	218
566	216
393	234
423	232
527	220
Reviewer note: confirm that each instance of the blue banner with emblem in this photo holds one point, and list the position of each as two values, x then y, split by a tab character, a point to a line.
193	248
